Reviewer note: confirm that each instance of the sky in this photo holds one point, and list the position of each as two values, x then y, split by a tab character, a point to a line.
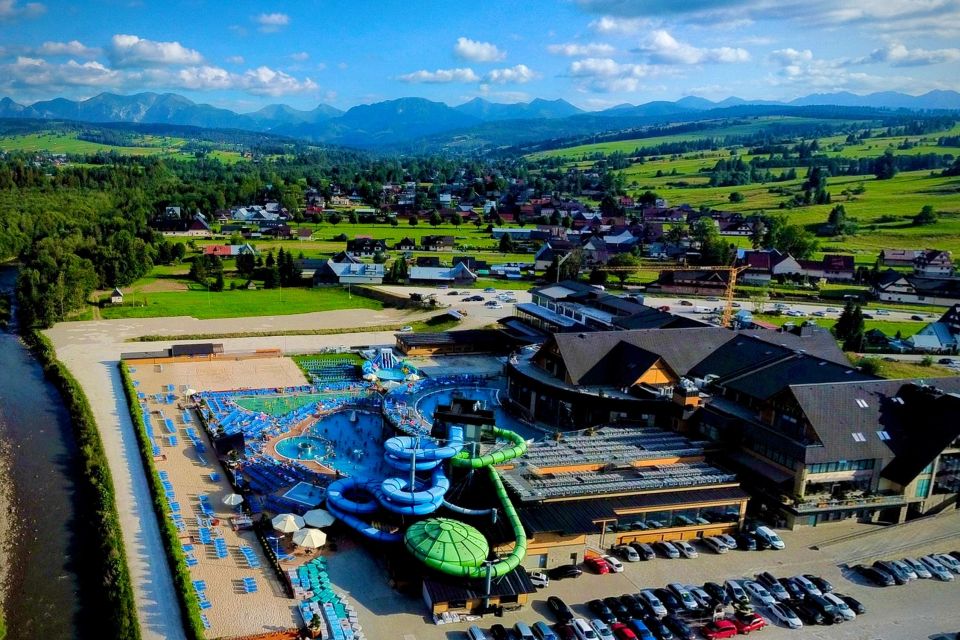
245	54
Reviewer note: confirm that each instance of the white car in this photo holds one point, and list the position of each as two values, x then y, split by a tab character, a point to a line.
540	580
727	539
615	565
948	561
683	595
841	606
758	591
807	586
905	568
786	616
938	570
714	544
627	552
686	549
407	329
603	631
654	602
918	568
583	630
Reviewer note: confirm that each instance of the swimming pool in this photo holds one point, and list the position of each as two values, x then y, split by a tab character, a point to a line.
305	448
489	396
357	442
306	493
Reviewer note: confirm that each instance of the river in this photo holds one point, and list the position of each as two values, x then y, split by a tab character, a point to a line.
41	592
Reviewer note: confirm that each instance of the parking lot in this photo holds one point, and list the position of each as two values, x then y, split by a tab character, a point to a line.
923	609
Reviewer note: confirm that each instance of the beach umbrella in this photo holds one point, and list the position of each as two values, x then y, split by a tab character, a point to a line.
370	377
287	523
190	392
232	499
309	538
413	377
318	518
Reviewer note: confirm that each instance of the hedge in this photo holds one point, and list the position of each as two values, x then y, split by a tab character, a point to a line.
110	596
189	604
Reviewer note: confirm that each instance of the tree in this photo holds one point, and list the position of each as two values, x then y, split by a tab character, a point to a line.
334	218
435	219
675	234
568	270
413	220
353	217
198	270
926	216
850	327
885	167
271	261
398	271
379	257
456	220
218	283
598	276
838	223
271	277
626	263
758	235
245	264
506	243
870	366
736	196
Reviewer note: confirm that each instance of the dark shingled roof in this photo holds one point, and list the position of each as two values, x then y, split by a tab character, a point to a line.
578	516
447	589
764	382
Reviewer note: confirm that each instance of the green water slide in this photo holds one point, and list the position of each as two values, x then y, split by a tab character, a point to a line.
456	548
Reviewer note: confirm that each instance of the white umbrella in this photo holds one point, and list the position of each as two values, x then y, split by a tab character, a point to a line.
190	392
287	523
310	538
370	377
413	377
232	499
318	518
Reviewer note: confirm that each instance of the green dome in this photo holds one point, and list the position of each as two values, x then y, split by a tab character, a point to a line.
441	540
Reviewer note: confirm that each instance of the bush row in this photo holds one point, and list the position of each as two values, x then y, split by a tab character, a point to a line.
189	605
111	602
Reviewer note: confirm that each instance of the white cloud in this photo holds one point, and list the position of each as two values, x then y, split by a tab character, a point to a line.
38	73
575	49
204	78
272	22
441	76
662	48
517	74
619	25
791	56
235	59
898	55
72	48
477	51
11	10
300	56
129	50
265	81
604	75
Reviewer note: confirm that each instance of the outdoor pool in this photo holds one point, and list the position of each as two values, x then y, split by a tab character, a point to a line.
357	442
305	448
489	396
306	493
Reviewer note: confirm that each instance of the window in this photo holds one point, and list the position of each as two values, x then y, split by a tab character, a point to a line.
923	488
883	435
859	437
861	403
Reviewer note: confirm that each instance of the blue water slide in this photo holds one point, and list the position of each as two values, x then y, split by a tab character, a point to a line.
406	453
344	494
365	528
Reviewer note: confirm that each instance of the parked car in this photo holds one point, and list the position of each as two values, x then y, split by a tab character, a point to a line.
601	611
686	549
499	632
714	544
560	610
685	303
627	552
704	599
616	607
727	539
661	630
717	592
948	561
794	590
644	550
807	585
539	579
653	602
758	591
683	595
565	632
668	599
902	566
807	613
821	583
719	629
786	615
615	565
597	564
841	606
898	576
680	628
406	329
583	631
667	550
522	631
746	541
918	568
878	577
640	629
622	631
939	571
855	605
830	612
489	290
773	585
769	537
748	622
543	632
602	629
476	633
565	571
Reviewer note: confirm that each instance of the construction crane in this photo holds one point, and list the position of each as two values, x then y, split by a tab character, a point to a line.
728	293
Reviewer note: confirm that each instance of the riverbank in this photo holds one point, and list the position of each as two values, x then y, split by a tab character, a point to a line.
7	518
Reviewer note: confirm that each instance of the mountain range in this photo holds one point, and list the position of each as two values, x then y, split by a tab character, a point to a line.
406	120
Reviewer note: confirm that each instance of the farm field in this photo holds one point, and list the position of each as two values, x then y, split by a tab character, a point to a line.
68	143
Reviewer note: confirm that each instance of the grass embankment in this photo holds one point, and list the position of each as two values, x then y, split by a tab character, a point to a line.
897	369
110	593
189	605
204	305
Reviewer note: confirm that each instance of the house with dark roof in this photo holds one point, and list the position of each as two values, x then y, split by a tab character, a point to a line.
694	283
899	257
365	246
933	263
550	251
942	336
405	244
437	243
894	286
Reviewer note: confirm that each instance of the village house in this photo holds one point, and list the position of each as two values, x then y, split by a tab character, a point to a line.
933	263
405	244
457	274
228	250
365	246
894	286
437	243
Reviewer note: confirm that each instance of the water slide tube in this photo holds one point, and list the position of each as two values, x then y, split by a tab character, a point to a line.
403	452
464	459
343	504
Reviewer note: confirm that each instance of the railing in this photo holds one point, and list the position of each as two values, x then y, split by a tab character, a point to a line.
813	503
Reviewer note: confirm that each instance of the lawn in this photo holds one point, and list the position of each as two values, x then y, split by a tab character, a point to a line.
899	369
68	143
239	303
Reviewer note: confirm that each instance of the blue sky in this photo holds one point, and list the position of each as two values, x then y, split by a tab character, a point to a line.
594	53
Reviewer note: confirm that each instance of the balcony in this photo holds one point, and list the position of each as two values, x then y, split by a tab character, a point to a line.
824	502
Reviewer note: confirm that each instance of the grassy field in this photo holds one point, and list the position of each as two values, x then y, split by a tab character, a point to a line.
895	369
201	304
67	142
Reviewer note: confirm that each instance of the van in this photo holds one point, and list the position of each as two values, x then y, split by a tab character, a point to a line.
767	535
523	632
540	580
701	310
714	545
583	630
476	633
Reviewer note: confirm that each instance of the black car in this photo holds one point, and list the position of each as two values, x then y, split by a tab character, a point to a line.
717	592
680	628
855	605
746	541
601	611
878	577
819	583
646	552
668	600
658	628
830	613
807	613
565	571
499	632
635	608
560	610
892	570
614	604
797	593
